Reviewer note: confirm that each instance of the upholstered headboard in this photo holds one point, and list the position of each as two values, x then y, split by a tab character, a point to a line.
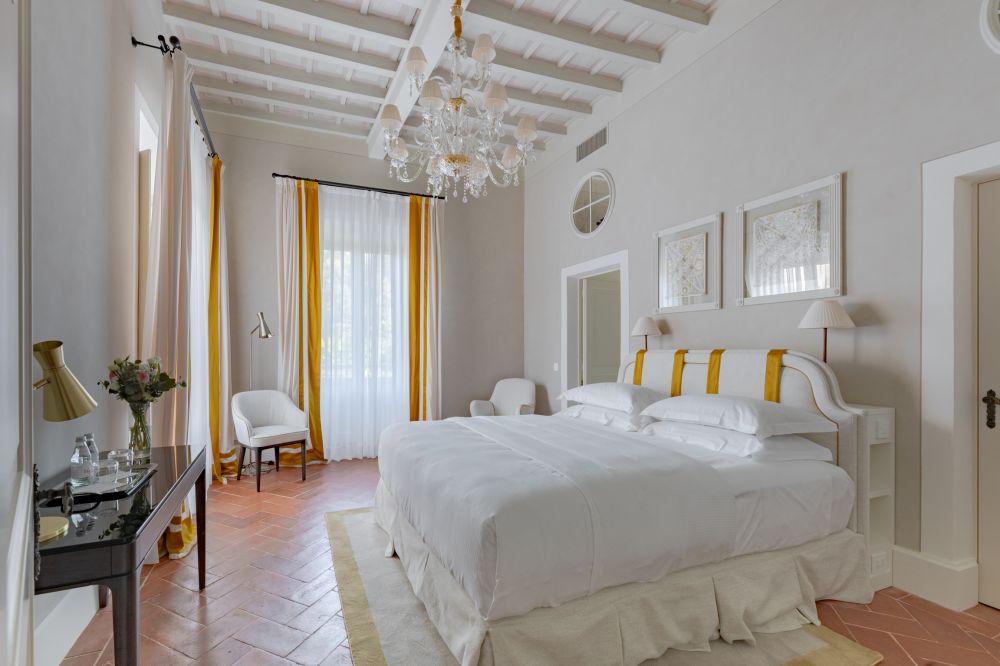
798	379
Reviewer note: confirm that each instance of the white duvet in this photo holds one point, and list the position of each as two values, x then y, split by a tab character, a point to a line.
535	511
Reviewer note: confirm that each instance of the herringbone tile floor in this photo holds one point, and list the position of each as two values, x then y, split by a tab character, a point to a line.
272	595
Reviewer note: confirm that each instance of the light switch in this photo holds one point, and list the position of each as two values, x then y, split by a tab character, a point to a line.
555	367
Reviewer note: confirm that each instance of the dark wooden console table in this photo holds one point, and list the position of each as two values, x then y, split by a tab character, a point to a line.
108	550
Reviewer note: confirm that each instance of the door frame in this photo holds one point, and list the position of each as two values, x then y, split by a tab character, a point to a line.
945	569
570	310
18	585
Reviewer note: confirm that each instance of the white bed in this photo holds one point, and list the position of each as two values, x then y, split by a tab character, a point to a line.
509	524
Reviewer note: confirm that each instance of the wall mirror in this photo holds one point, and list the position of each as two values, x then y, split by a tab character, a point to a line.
592	203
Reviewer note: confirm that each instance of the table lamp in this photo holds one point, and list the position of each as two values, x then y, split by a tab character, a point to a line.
646	326
826	315
64	399
263	332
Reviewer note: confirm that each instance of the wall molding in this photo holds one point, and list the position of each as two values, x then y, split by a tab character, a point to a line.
954	585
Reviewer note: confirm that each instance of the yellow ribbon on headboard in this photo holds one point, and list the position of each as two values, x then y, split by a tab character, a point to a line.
637	372
772	375
714	366
678	376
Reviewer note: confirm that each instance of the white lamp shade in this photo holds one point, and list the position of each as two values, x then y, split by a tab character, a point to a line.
826	314
496	98
526	130
390	118
483	51
416	62
431	96
646	326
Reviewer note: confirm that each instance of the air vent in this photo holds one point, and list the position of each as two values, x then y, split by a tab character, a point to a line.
592	144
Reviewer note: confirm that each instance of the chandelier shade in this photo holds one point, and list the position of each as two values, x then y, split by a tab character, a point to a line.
460	145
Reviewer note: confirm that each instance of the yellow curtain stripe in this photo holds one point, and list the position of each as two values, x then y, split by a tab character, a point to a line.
714	366
413	305
772	375
315	321
640	356
214	319
678	375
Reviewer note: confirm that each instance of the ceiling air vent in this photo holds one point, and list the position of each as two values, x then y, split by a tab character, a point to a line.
592	144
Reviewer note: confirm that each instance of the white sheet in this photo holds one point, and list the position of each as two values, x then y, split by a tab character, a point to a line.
528	512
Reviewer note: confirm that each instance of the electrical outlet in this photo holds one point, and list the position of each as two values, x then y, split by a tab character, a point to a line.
879	563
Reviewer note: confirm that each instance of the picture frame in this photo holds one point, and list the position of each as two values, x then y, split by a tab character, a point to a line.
790	244
689	266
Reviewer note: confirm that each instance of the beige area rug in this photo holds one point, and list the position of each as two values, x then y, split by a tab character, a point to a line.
387	624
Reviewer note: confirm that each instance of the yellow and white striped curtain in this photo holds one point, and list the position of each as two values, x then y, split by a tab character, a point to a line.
220	391
424	305
299	302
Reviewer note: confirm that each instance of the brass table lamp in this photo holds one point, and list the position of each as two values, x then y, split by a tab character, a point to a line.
64	399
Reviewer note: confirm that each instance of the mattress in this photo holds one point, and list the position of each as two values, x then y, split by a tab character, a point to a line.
531	512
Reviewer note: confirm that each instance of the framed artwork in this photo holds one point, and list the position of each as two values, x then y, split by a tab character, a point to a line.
790	244
689	266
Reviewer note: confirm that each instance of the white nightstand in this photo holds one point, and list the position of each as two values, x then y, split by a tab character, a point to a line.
877	464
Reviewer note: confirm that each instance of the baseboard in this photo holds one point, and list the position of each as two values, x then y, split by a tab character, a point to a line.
17	604
56	633
954	585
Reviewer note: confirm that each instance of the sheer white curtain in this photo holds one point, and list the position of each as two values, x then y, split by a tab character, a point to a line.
365	354
197	376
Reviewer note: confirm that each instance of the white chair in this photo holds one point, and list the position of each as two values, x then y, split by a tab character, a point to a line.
268	420
511	397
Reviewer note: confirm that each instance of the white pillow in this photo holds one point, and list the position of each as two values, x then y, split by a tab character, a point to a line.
608	417
747	415
730	442
627	398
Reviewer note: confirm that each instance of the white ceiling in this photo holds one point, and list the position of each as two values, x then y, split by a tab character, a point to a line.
328	66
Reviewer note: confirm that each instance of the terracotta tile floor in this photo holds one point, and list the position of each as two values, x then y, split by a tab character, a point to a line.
909	630
272	595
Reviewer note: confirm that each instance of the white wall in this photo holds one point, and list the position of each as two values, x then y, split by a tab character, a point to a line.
482	247
810	88
84	76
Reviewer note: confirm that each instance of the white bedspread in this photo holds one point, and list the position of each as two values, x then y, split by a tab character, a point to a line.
536	511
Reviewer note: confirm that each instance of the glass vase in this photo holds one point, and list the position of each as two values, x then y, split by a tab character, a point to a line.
138	431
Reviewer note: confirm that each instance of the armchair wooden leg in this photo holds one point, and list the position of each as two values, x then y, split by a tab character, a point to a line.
277	454
303	460
239	465
257	456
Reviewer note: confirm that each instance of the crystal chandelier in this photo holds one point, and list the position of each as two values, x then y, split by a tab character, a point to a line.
458	143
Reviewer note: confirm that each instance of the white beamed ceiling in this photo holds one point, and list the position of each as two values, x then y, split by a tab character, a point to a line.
328	66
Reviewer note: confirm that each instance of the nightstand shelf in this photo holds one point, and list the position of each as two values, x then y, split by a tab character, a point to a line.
876	470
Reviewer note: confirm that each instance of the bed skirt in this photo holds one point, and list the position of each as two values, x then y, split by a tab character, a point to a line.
628	624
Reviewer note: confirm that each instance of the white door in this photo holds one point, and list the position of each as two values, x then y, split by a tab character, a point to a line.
600	328
989	380
16	524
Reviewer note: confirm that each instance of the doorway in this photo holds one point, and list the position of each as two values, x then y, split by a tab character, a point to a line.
572	280
600	333
988	207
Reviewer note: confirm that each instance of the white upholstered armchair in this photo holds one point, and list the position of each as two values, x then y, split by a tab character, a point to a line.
511	397
268	420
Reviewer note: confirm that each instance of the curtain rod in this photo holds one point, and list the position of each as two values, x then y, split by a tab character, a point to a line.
348	186
175	45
